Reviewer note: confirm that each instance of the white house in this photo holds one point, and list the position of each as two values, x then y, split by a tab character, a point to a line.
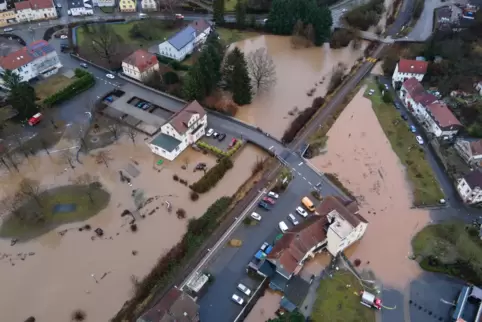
35	10
149	5
469	187
407	69
39	59
469	149
478	87
180	45
181	130
3	5
203	29
104	3
80	7
140	64
337	226
414	96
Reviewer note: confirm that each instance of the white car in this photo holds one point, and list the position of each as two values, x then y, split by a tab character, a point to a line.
370	92
344	10
244	289
64	37
302	212
419	139
282	226
215	134
271	194
209	132
110	76
7	29
293	219
238	299
256	216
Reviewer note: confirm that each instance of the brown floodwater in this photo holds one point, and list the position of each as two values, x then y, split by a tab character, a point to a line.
297	72
360	154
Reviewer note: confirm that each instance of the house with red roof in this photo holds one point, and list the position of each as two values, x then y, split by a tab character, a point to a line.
406	69
140	64
32	10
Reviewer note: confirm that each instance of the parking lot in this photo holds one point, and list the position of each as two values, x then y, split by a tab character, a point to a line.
221	140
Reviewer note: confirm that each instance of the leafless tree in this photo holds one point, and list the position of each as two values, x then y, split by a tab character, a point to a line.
45	146
67	157
104	42
103	157
10	156
261	69
132	133
115	129
169	6
336	77
30	189
87	180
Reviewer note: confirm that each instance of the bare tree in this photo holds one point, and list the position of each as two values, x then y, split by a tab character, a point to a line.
103	157
67	157
132	133
336	77
30	189
87	180
115	129
104	41
45	146
169	6
261	69
10	156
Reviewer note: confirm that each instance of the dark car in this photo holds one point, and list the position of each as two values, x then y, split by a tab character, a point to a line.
405	117
264	205
84	65
221	137
397	106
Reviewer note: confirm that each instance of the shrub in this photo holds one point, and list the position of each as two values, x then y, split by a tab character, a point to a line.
175	177
133	228
84	81
181	213
357	262
172	63
341	38
248	221
213	176
219	152
78	315
257	166
30	319
366	15
194	196
170	78
387	97
218	102
299	122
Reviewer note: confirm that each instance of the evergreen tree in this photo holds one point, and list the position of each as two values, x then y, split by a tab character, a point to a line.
21	95
218	11
240	10
194	88
206	65
232	58
240	82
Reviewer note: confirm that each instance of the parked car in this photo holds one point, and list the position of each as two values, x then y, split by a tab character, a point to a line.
238	299
272	194
34	120
64	37
269	200
419	139
370	92
293	219
405	117
215	134
264	205
109	99
301	212
179	16
256	216
282	226
244	289
221	137
265	246
84	65
397	106
200	166
209	132
233	143
7	29
110	76
413	129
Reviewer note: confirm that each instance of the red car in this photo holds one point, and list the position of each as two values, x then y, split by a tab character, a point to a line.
269	200
34	120
233	143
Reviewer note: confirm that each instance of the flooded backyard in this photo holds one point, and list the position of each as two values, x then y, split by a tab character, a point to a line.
297	71
360	154
78	270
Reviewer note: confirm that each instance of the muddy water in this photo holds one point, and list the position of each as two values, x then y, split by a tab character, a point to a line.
360	154
58	279
297	71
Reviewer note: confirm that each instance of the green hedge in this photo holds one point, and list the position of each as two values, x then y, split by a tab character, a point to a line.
83	82
219	152
213	176
173	63
198	231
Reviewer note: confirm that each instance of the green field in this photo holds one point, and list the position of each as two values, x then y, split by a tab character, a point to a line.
233	35
426	189
335	302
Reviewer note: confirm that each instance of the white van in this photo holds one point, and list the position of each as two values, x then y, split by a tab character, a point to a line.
282	226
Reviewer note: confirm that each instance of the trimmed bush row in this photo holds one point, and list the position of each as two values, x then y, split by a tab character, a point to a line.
219	152
213	176
300	121
84	81
198	231
173	63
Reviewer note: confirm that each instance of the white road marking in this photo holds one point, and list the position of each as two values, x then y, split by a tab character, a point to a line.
300	164
299	173
304	178
293	169
310	183
271	147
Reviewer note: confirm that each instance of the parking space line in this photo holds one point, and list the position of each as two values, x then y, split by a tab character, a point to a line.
310	183
299	173
294	169
304	178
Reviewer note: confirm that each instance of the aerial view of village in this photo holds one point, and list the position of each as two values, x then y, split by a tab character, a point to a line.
241	160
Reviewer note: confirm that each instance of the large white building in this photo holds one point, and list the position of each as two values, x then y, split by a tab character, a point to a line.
39	59
33	10
149	5
407	69
181	130
469	149
140	64
104	3
470	187
80	7
434	115
182	43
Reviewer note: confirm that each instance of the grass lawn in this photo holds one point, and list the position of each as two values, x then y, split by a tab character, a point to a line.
31	220
426	190
233	35
107	9
337	303
451	248
51	85
229	5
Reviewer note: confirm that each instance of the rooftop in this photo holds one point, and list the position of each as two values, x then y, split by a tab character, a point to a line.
141	59
412	66
166	142
443	115
347	210
16	59
476	147
200	25
22	5
176	306
180	120
41	4
183	37
296	290
418	93
474	179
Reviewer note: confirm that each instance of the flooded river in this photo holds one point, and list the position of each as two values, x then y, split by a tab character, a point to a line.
297	71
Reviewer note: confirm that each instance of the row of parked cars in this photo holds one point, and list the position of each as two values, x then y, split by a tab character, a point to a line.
239	298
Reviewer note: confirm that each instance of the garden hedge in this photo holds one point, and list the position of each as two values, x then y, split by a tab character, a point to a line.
219	152
213	176
84	81
173	63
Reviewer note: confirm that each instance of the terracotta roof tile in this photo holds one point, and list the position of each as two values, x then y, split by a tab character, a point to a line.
179	121
331	203
16	59
417	92
442	114
41	4
412	66
476	147
22	5
200	25
176	303
142	59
